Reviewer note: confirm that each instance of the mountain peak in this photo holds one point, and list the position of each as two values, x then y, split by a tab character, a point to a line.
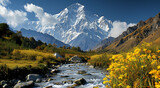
76	6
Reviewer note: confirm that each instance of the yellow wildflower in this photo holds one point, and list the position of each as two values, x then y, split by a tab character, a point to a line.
158	51
153	71
158	67
128	86
143	66
104	82
137	50
148	51
104	78
145	50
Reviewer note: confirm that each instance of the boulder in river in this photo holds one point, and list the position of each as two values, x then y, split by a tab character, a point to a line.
67	81
33	77
57	55
80	81
28	84
75	59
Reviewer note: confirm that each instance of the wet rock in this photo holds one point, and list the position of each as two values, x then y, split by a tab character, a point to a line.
33	77
64	76
73	86
3	82
57	83
55	71
14	81
6	86
68	81
50	79
75	59
19	81
81	72
48	87
91	66
28	84
38	80
80	81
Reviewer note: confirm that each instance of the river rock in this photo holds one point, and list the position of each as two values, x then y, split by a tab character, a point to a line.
68	81
80	81
3	82
64	76
55	71
75	59
6	86
38	80
50	79
91	66
57	83
48	87
81	72
28	84
33	77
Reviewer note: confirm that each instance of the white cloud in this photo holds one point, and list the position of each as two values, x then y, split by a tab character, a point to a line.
13	18
45	19
4	2
119	28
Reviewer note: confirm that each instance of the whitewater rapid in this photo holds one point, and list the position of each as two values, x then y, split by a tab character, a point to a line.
68	73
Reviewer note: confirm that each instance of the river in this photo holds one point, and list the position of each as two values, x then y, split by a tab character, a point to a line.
68	74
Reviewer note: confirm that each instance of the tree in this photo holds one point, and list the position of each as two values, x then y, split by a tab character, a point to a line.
64	47
54	45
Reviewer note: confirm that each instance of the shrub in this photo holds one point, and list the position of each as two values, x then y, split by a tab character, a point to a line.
101	60
140	68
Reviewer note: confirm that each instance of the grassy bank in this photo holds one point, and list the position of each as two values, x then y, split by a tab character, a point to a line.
100	60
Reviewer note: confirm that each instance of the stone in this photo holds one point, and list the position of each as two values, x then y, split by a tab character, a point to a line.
64	76
91	66
80	81
3	82
33	77
48	87
55	71
50	79
68	81
38	80
75	59
57	83
6	86
57	55
81	72
28	84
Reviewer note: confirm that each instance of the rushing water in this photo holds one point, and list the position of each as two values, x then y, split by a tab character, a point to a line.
69	73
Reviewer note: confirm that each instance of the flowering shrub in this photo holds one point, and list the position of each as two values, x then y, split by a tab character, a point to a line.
140	68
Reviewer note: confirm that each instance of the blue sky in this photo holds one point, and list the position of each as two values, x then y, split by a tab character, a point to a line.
123	10
129	11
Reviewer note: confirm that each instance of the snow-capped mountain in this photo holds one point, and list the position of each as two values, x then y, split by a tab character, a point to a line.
77	27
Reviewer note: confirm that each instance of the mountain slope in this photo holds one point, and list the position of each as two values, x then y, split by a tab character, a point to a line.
148	31
77	27
43	37
104	43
